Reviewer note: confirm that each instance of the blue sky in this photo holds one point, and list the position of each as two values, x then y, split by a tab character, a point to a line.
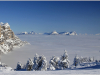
46	16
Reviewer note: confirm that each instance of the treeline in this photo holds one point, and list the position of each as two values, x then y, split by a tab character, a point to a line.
55	63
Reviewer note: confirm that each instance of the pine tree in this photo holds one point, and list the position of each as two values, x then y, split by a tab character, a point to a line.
29	65
19	66
36	59
55	62
76	60
64	62
44	64
40	63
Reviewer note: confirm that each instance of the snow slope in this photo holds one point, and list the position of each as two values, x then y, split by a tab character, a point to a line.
82	45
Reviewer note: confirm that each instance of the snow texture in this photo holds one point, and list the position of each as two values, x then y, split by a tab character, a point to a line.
4	67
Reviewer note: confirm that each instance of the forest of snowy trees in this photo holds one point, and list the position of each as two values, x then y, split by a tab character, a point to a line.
55	63
39	63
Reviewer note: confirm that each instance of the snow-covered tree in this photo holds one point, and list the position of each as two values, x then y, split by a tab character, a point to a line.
64	62
97	62
64	56
76	60
81	59
44	64
19	66
36	59
91	59
55	62
40	63
29	65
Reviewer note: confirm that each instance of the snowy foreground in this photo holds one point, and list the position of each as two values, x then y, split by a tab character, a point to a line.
60	72
50	45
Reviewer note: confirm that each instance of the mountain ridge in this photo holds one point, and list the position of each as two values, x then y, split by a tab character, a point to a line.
48	33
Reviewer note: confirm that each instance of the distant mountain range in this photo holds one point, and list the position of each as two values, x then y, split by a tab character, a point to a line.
26	33
50	33
97	34
61	33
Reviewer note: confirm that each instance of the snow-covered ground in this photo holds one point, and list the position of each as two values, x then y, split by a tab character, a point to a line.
58	72
50	45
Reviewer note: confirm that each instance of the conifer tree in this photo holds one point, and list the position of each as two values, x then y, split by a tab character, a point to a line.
29	65
55	62
64	62
40	63
76	60
19	66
